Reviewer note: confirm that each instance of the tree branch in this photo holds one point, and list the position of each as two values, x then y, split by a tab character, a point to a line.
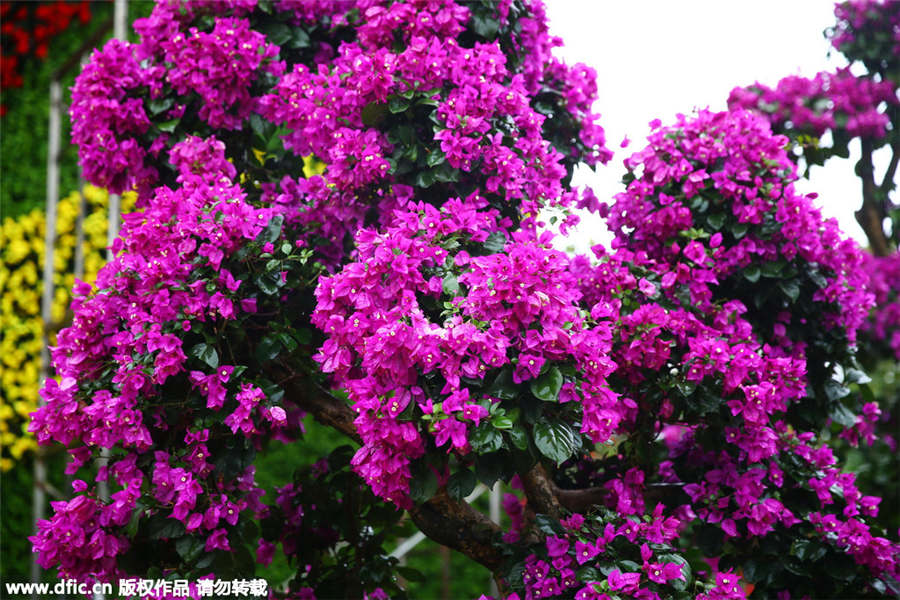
581	501
887	184
870	216
324	407
447	521
541	491
459	526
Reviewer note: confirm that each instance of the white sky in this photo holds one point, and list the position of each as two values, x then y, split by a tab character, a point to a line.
656	58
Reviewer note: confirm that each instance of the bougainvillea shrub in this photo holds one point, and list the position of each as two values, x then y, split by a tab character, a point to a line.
824	116
854	112
664	412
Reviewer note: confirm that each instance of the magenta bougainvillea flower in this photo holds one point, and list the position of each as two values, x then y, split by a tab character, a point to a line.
344	212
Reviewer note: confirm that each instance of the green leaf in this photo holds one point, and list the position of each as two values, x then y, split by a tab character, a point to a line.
156	106
205	560
547	386
451	285
461	484
495	242
425	179
549	525
276	33
806	549
426	101
445	173
189	548
556	440
503	386
206	353
752	273
501	422
867	394
857	376
235	458
169	126
260	126
267	349
485	438
519	437
397	104
740	230
834	391
790	288
373	113
272	230
275	146
491	467
716	220
484	26
435	157
841	414
161	528
588	574
299	39
773	269
424	483
132	528
289	343
817	278
406	134
269	283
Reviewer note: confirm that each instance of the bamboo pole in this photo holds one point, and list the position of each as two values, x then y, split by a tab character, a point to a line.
120	20
39	496
495	517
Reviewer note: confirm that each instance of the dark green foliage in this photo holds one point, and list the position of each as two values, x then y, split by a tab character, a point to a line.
16	520
24	129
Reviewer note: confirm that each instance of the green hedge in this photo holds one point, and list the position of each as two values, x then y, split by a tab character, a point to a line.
24	128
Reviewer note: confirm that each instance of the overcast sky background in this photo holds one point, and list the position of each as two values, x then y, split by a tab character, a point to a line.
656	58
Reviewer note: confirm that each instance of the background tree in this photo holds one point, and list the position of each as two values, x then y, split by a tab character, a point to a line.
823	117
654	405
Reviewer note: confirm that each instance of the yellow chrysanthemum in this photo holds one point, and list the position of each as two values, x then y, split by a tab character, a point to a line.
21	326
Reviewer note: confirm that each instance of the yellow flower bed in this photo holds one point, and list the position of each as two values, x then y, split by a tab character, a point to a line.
21	285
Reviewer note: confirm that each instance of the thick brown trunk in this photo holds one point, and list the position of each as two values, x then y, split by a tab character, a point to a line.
452	523
871	214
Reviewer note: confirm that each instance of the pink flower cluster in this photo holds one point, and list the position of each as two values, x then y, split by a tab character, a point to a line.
126	342
828	101
387	334
219	67
729	164
485	120
884	282
107	119
860	22
731	167
336	107
588	543
125	85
